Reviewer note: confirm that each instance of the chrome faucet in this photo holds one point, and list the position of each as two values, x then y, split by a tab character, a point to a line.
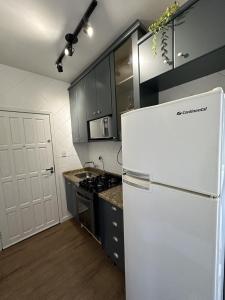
89	162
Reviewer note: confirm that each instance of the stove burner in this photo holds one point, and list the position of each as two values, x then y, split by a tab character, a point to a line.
100	183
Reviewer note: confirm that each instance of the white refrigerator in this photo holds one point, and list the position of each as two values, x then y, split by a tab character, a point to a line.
173	174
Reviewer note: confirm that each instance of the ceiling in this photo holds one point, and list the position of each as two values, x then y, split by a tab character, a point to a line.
32	31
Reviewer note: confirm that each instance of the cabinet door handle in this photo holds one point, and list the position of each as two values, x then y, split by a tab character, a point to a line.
181	54
167	61
114	208
116	255
115	224
115	239
50	169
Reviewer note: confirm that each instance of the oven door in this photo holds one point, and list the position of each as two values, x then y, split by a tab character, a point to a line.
86	213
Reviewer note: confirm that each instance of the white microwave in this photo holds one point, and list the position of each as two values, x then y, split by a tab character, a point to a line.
100	128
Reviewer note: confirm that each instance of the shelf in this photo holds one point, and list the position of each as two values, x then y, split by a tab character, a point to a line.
125	80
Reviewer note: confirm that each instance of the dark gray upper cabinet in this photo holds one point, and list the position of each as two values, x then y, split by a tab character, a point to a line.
153	65
82	110
199	30
90	99
78	111
103	88
74	114
93	93
98	91
90	95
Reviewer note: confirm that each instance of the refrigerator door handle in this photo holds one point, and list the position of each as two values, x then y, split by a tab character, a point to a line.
138	175
136	182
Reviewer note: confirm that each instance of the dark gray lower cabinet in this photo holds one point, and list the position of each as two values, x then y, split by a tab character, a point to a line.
71	198
152	65
111	233
199	30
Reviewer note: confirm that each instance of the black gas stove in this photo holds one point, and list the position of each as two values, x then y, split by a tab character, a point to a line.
87	199
100	183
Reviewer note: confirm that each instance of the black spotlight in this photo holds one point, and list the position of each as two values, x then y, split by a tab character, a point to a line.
71	40
60	67
69	50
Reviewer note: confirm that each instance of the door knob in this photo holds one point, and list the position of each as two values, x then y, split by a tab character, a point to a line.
50	169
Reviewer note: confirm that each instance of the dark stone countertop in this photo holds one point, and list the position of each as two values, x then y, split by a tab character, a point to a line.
71	175
113	195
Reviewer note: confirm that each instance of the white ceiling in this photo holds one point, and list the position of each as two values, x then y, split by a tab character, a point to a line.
32	31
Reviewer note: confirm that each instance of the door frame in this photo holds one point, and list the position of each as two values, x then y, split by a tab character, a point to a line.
57	183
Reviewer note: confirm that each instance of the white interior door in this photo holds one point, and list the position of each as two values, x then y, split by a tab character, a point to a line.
28	201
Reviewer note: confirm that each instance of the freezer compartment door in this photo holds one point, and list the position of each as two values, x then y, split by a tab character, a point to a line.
171	245
177	143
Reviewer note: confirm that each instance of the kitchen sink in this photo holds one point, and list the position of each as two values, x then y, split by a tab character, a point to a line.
84	175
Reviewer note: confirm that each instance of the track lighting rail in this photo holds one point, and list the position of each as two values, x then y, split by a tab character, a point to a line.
74	36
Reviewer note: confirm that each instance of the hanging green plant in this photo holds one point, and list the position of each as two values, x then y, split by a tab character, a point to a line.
161	22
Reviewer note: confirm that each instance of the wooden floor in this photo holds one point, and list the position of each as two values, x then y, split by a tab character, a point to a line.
63	262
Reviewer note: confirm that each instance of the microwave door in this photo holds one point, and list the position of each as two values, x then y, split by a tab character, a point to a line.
100	128
95	129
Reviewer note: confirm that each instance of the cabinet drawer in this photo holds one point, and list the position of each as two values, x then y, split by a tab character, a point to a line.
117	256
115	214
115	249
116	228
111	229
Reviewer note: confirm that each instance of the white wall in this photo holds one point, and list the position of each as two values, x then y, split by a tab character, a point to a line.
197	86
28	91
108	150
